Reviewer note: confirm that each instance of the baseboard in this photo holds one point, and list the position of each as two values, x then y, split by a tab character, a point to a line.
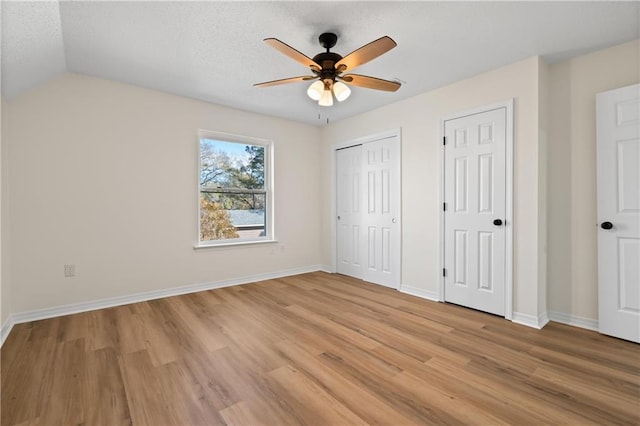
75	308
420	292
530	320
6	329
574	320
325	268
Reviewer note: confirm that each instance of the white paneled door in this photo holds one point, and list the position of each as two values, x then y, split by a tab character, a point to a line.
618	169
349	210
368	209
475	210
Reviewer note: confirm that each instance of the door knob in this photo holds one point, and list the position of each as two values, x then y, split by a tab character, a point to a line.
606	225
394	220
338	217
497	222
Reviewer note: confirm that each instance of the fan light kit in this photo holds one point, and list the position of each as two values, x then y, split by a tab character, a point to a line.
327	68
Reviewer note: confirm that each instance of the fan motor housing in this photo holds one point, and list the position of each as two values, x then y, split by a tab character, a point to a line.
327	60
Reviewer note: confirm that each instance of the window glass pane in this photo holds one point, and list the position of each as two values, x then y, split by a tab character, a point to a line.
233	196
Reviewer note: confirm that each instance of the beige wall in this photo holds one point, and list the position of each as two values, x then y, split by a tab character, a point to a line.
572	232
419	118
5	295
103	175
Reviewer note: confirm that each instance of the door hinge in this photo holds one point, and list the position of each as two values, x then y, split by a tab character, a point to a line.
444	272
444	207
444	140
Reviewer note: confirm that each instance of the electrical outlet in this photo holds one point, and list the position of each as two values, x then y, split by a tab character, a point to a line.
69	270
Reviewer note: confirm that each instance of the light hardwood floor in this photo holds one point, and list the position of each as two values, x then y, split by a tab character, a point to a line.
314	349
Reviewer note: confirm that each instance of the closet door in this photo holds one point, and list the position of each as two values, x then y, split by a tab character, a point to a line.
368	211
349	211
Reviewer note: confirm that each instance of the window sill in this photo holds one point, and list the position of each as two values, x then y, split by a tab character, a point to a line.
200	246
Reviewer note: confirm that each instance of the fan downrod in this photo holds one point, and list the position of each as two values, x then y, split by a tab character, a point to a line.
328	40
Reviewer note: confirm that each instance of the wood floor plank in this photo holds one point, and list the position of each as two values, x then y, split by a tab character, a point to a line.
63	403
361	400
191	402
100	326
15	347
442	400
545	394
25	386
148	403
199	327
334	329
130	331
316	349
403	400
319	406
240	414
103	394
508	403
625	406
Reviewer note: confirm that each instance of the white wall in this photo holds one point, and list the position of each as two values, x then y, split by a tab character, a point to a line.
419	117
103	175
572	232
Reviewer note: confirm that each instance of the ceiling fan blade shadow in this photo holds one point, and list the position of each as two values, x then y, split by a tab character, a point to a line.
366	53
371	82
285	81
297	56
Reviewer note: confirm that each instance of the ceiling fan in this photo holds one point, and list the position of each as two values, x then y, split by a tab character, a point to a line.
328	68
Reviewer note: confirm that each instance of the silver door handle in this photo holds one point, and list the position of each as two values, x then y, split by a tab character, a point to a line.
338	217
394	220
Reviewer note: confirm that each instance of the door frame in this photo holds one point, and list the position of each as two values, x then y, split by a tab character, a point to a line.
509	142
333	192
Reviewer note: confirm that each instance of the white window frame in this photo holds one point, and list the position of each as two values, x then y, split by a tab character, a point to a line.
268	188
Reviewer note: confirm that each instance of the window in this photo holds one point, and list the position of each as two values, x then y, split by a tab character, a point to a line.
234	190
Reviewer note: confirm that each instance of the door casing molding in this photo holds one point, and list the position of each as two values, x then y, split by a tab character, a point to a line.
333	193
509	141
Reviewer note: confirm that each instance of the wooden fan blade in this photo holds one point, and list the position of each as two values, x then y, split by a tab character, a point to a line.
371	82
285	81
292	53
366	53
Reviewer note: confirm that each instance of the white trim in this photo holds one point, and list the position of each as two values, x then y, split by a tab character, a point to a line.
441	159
332	195
364	139
509	226
574	320
508	105
332	207
231	243
420	292
6	329
325	268
530	320
56	311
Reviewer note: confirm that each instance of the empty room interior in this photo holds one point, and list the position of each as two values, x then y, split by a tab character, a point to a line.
328	213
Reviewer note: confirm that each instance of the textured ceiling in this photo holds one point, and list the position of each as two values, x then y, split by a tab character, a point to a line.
213	51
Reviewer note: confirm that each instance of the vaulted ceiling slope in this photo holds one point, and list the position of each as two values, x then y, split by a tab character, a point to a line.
213	51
